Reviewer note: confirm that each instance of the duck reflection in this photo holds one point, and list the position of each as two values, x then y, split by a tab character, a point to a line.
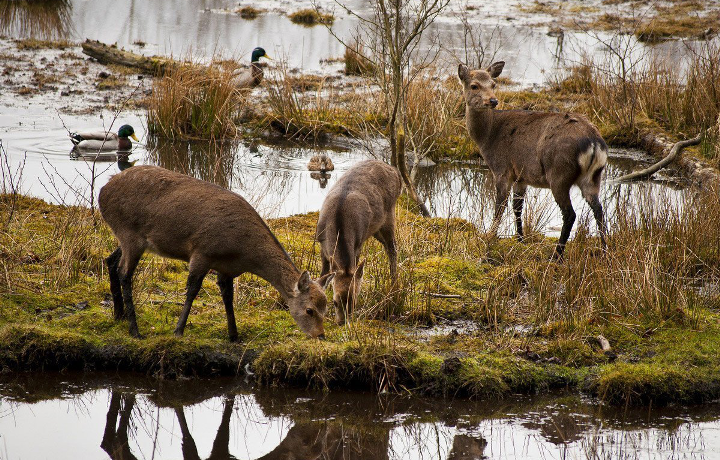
321	177
42	19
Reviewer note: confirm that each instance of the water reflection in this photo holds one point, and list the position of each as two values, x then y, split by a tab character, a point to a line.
123	417
42	19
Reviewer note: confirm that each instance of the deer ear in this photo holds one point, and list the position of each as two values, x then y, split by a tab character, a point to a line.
496	68
463	72
303	283
359	270
324	280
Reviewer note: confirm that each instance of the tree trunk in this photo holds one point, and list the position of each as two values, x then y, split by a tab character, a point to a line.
402	167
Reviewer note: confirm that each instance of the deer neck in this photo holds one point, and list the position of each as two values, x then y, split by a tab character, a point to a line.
277	268
480	125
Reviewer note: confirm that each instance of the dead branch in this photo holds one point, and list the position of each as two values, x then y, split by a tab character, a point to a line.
674	154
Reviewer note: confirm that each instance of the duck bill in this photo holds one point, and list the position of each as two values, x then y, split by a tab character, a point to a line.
134	137
267	57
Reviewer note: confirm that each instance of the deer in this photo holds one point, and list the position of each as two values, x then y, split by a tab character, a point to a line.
149	208
541	149
361	204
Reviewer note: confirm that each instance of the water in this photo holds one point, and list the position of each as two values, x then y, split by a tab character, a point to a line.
100	416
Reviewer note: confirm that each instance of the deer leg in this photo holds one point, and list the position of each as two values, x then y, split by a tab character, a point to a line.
386	237
128	263
225	283
596	206
325	265
518	201
196	276
189	449
112	263
502	191
562	198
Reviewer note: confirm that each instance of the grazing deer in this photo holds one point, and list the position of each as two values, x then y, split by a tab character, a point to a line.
176	216
541	149
361	204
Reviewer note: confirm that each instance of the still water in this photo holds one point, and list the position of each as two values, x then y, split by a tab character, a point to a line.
123	417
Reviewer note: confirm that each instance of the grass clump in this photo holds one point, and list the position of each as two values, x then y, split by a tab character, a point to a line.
356	61
193	102
249	12
37	44
311	17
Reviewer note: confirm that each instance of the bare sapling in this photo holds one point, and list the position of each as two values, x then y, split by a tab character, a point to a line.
153	209
360	205
541	149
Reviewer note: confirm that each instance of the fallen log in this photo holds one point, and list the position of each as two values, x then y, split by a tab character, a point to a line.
111	54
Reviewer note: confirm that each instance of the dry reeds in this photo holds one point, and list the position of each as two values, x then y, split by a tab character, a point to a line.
194	102
310	17
627	98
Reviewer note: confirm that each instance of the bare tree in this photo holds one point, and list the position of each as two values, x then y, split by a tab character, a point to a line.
391	37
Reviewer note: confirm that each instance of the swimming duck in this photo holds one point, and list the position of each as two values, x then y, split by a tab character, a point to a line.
104	141
321	163
250	78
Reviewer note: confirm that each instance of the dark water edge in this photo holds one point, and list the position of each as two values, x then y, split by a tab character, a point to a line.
116	415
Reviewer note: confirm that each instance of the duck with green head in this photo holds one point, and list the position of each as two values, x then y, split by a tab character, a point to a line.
250	78
104	141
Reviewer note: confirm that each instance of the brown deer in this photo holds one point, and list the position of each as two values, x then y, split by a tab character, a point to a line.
211	228
361	204
542	149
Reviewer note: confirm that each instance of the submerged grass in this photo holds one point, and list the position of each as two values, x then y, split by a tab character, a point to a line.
523	323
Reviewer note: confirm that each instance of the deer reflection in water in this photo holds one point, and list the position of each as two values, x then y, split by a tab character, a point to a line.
115	438
313	440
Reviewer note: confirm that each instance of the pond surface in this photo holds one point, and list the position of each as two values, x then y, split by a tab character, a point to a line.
206	28
274	178
121	417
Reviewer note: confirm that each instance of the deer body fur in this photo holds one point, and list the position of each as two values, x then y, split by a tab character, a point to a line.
540	149
211	228
359	206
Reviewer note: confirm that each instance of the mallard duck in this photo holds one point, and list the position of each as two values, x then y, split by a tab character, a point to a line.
321	163
250	78
104	141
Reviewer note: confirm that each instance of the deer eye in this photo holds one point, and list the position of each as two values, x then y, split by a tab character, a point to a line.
310	311
473	86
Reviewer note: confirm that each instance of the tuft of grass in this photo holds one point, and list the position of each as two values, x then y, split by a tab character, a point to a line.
311	17
356	61
37	44
249	12
194	102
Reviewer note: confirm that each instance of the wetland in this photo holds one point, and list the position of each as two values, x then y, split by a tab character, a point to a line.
485	349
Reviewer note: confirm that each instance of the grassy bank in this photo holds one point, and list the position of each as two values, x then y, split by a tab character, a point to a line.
472	317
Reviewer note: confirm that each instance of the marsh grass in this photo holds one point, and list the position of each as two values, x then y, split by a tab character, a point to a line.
311	17
628	99
194	102
315	113
356	61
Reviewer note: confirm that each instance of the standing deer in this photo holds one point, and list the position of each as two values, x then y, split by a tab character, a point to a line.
176	216
361	204
542	149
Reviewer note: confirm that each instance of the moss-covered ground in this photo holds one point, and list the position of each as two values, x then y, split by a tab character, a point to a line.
471	316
